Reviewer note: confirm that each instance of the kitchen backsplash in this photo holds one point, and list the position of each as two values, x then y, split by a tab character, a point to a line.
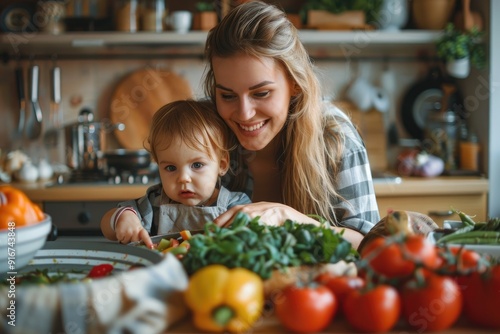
91	83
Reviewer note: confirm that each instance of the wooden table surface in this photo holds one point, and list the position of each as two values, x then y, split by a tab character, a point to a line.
269	324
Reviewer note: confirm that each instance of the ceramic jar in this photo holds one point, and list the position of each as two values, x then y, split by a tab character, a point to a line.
432	14
393	14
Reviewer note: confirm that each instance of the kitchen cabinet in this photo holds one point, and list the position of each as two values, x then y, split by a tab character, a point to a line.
436	197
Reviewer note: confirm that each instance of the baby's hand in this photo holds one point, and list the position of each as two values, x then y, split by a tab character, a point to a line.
129	228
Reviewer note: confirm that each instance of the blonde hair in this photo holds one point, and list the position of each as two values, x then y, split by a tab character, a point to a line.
312	146
195	123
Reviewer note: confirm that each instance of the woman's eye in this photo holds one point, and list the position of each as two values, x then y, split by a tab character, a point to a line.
197	165
170	168
227	97
262	94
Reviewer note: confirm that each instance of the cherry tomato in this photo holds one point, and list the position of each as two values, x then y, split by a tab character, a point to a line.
481	292
100	270
374	310
340	285
395	260
433	305
459	260
305	309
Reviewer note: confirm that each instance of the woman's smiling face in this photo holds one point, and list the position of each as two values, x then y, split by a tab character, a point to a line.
253	97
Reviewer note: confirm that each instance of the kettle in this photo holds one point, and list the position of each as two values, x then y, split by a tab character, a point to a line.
86	140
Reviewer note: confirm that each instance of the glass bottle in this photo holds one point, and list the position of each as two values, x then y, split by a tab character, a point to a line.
153	15
127	15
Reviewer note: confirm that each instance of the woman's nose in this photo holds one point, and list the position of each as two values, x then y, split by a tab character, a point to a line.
246	109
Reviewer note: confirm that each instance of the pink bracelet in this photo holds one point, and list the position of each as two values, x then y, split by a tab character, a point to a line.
116	215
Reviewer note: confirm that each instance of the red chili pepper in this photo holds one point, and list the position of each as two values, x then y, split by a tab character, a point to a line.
100	270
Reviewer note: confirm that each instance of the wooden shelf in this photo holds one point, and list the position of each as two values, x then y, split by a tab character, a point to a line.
328	43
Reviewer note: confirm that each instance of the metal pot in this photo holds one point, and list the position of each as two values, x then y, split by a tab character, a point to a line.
86	140
129	160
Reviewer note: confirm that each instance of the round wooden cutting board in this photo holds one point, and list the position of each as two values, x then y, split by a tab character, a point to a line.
138	96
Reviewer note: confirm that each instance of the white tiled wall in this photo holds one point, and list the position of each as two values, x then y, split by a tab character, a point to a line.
93	81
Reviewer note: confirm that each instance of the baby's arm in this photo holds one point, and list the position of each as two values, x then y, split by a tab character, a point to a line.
122	224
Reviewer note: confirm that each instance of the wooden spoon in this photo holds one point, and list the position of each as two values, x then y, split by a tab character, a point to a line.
467	19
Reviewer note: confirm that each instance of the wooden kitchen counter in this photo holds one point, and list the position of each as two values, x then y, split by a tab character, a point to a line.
410	186
444	185
269	324
43	192
431	196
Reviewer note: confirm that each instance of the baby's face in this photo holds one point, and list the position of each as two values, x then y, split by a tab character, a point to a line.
188	176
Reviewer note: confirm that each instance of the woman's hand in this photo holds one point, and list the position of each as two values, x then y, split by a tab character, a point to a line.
129	229
270	213
276	213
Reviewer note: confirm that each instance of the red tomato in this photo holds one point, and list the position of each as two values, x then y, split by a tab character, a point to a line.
481	293
100	270
434	305
457	260
396	260
305	309
340	285
372	311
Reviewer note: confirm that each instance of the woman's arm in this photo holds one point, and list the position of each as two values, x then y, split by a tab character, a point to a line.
276	214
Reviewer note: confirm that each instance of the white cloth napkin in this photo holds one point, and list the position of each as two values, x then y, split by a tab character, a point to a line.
146	300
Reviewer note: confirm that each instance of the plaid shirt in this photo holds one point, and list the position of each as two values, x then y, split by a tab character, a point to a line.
359	210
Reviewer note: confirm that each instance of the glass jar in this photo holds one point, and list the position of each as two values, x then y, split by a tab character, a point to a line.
153	15
127	15
441	137
53	13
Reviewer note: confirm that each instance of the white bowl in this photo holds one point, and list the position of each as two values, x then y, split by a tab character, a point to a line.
491	250
19	245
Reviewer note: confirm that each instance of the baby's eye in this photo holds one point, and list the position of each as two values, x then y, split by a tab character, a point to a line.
170	168
197	165
262	94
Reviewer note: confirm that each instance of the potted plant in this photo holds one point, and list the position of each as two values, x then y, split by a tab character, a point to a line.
460	50
340	14
205	17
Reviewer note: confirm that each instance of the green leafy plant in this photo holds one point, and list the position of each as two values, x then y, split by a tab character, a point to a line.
456	44
205	6
370	7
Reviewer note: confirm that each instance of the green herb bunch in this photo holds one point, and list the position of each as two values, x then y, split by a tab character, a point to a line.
370	7
261	248
456	44
205	6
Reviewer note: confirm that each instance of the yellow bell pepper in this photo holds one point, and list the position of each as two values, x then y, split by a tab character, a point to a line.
224	299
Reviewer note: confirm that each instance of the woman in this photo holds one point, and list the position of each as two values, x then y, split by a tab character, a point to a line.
299	156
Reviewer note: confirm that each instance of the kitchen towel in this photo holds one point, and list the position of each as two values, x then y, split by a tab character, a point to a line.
146	300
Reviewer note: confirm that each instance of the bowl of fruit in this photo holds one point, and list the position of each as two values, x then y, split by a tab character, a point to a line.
23	229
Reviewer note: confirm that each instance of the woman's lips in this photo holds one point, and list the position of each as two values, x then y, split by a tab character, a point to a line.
253	127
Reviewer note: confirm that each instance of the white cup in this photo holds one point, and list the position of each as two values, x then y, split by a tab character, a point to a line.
361	94
180	21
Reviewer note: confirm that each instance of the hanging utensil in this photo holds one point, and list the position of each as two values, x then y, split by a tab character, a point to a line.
22	100
51	137
55	111
35	129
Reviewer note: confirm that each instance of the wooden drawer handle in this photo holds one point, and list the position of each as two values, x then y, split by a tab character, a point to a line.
440	213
